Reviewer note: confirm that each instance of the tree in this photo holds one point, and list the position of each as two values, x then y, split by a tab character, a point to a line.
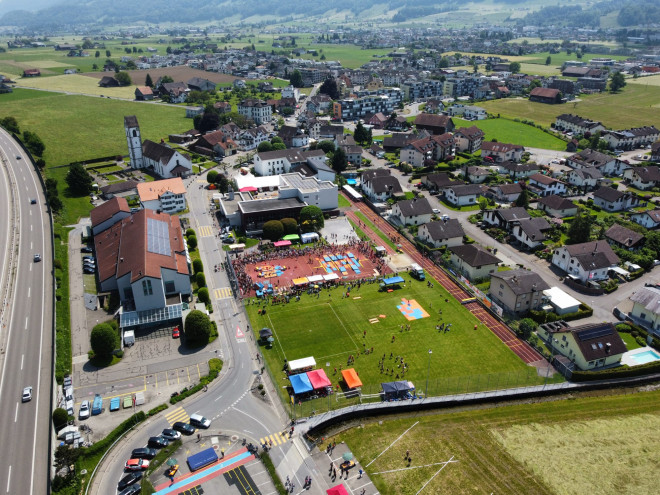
548	60
514	67
526	327
360	134
123	78
97	54
60	419
41	163
10	124
483	203
523	199
290	226
338	161
617	82
78	180
279	146
192	242
198	266
296	79
148	81
203	295
104	340
166	79
580	229
329	87
264	146
200	279
108	53
212	176
168	50
311	219
197	328
273	230
209	121
33	143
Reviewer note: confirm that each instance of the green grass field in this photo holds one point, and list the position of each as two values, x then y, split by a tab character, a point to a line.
636	105
508	131
343	202
586	445
331	328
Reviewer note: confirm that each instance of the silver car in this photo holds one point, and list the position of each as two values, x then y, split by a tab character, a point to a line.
84	410
27	394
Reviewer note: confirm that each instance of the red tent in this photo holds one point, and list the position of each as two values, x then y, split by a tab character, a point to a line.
337	490
282	243
318	379
248	189
351	378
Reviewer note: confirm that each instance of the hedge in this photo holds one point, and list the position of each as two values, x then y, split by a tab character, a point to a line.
104	443
157	409
621	372
270	467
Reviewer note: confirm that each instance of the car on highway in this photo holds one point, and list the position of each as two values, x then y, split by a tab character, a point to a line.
37	258
129	479
199	421
19	157
33	201
84	410
131	490
27	394
176	333
144	453
136	464
158	442
184	428
171	434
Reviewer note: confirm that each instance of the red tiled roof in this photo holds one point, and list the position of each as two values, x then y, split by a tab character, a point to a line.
105	211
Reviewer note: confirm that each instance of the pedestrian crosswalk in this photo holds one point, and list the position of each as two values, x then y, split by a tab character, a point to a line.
222	293
205	231
178	414
276	438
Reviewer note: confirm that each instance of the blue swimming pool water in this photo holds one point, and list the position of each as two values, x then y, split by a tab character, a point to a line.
645	357
351	182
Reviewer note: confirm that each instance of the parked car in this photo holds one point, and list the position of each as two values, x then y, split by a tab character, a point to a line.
171	434
129	479
199	421
27	394
89	258
89	271
176	333
158	442
86	249
84	410
136	464
184	428
144	453
131	490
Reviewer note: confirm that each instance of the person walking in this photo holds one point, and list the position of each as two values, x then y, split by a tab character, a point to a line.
360	473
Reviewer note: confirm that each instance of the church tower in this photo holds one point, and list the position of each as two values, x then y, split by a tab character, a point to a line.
134	141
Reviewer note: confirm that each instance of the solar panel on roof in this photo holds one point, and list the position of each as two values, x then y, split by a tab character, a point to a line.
594	334
158	237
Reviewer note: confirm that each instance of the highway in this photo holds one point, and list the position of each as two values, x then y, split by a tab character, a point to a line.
26	337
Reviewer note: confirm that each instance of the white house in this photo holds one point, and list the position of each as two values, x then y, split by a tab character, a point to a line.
649	219
610	199
646	307
544	185
643	178
502	152
505	217
505	193
556	206
530	232
462	195
257	110
165	161
109	213
517	291
577	125
283	161
167	195
379	185
416	211
607	164
250	139
468	139
442	233
473	261
586	261
585	178
474	113
291	92
310	190
476	175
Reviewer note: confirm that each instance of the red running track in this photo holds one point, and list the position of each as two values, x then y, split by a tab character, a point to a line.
521	348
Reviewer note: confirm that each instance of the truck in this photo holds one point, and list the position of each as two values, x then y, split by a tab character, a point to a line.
202	459
417	272
129	338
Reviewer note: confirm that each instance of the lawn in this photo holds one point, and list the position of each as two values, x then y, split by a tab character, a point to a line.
508	131
343	202
331	328
375	229
76	83
585	445
629	340
636	105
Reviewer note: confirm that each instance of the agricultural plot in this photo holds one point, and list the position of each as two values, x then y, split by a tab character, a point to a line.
76	83
599	445
508	131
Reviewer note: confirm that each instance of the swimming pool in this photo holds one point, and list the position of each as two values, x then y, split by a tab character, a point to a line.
645	357
351	182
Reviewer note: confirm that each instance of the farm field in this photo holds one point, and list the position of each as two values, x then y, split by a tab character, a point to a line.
508	131
76	83
636	105
331	328
595	444
645	81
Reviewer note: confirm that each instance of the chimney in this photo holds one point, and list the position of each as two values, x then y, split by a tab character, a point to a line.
121	260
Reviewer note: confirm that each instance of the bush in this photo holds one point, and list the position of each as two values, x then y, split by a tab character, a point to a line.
192	242
290	226
200	279
621	372
212	176
189	232
157	409
104	340
270	467
198	266
215	365
203	295
197	328
119	354
624	327
641	341
273	230
60	418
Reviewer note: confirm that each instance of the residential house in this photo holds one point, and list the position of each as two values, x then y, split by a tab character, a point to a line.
437	182
655	152
531	232
588	347
398	140
518	170
629	139
556	206
31	73
418	152
379	185
435	124
649	219
505	193
503	218
377	151
646	307
200	84
416	211
291	92
474	113
463	194
442	233
468	139
353	154
165	161
443	146
545	186
293	136
517	291
502	152
607	164
144	93
109	213
476	175
588	261
177	92
256	110
473	261
285	161
378	120
222	107
108	82
215	143
250	139
545	95
319	104
643	178
192	112
623	237
119	189
610	199
577	125
584	178
167	195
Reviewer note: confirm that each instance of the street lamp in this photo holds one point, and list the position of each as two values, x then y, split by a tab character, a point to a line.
428	373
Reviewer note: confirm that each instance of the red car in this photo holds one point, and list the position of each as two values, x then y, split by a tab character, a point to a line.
175	333
136	464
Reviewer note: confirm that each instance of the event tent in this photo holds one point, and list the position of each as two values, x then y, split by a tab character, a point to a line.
337	490
300	281
282	243
351	378
331	276
315	278
299	364
291	237
318	379
393	280
300	383
264	333
397	390
248	189
309	237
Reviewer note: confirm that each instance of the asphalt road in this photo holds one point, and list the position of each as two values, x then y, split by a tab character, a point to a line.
27	330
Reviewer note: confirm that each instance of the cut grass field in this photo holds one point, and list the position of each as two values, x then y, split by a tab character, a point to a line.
76	83
508	131
332	327
343	202
636	105
587	445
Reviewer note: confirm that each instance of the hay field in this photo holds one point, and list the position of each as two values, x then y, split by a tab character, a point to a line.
47	64
76	83
179	74
645	81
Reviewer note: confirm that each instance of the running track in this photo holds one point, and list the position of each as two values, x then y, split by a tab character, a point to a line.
521	348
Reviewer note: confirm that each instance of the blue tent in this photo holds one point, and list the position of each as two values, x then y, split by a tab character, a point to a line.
393	280
301	383
396	390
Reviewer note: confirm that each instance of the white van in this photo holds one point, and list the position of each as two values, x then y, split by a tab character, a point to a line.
129	338
199	421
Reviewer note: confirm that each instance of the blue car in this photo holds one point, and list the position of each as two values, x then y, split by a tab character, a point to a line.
114	404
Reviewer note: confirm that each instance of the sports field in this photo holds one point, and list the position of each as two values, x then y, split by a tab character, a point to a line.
331	328
605	445
508	131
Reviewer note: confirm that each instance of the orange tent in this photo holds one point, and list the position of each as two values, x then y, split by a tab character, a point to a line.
351	378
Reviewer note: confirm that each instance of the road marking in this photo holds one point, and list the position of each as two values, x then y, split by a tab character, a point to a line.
16	414
216	400
29	290
275	438
31	227
30	245
205	231
178	414
222	293
22	358
239	333
8	479
26	322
